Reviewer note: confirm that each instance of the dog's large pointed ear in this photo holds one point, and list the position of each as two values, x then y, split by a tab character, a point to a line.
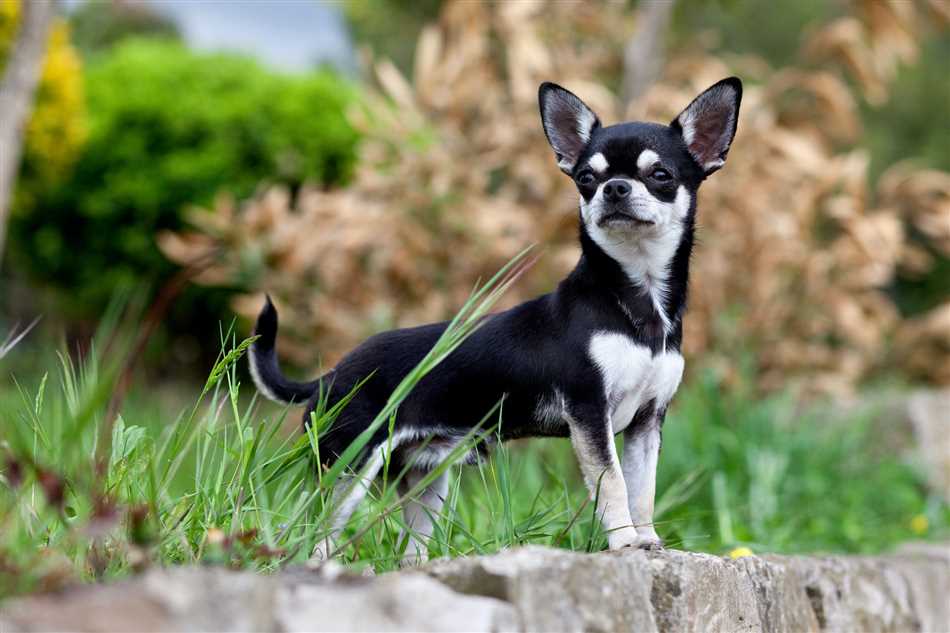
568	123
708	124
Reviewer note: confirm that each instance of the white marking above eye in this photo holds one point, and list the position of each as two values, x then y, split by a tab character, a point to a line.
598	163
647	158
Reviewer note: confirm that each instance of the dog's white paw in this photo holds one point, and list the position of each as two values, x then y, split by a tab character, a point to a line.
321	552
414	556
623	537
648	539
650	543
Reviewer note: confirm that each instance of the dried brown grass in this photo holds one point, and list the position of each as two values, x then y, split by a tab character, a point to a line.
797	249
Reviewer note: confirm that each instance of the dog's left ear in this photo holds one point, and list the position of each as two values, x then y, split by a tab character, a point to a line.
568	123
708	124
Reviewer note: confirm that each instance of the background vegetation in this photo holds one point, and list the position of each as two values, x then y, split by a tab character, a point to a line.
201	180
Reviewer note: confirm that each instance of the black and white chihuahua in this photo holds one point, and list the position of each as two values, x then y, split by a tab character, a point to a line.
597	357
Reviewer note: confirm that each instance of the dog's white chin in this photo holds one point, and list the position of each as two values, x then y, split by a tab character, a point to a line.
626	221
628	225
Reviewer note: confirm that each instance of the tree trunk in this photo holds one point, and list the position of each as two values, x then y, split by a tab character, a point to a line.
643	57
16	96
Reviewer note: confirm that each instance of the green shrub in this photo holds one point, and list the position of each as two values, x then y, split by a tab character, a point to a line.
169	128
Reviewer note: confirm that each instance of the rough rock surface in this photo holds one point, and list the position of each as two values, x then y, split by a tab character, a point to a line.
528	589
556	590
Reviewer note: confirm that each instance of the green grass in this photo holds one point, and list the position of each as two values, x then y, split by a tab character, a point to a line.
226	483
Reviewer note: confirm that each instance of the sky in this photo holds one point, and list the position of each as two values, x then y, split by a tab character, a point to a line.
286	34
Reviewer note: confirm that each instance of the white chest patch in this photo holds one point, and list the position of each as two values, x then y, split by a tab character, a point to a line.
632	376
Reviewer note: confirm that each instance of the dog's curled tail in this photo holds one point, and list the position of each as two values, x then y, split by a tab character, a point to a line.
263	363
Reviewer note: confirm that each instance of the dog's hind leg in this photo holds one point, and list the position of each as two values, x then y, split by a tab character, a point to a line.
419	511
347	493
641	450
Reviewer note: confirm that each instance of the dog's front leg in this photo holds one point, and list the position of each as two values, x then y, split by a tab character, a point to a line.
641	449
597	455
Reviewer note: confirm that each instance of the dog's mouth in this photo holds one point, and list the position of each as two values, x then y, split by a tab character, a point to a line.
623	217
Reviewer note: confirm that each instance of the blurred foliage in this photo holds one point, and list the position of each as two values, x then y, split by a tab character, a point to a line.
911	121
101	24
905	124
390	27
726	26
915	121
916	294
168	128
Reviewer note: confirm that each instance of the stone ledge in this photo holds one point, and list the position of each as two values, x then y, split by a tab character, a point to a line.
556	590
528	589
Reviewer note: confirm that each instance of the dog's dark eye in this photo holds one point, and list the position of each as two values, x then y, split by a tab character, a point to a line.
661	175
586	179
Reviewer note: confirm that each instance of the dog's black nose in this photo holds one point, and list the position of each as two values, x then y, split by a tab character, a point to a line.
616	190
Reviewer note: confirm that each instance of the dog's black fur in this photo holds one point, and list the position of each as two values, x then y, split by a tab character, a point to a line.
539	351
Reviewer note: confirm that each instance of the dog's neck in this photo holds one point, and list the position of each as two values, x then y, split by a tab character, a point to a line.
652	297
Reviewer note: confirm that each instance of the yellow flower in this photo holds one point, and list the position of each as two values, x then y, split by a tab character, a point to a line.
57	130
919	524
739	552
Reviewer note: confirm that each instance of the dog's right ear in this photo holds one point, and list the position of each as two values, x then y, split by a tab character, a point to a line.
708	124
568	123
